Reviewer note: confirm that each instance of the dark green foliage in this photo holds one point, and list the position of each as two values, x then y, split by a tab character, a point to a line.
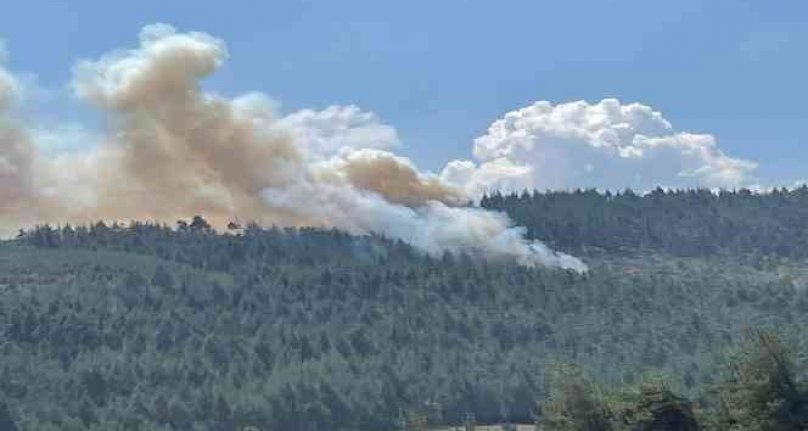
146	327
655	407
6	421
576	403
679	222
761	390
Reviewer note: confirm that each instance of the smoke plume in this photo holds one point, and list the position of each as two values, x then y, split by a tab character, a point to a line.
171	150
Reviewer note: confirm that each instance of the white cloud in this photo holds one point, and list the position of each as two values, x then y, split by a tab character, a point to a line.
64	137
322	134
606	145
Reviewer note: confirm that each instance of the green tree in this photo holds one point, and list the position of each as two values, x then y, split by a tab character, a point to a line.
6	421
575	403
760	391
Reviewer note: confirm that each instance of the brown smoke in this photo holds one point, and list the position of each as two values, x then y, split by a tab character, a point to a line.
172	150
395	179
17	154
16	159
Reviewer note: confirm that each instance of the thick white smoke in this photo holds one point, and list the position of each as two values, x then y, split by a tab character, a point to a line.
434	226
172	150
606	145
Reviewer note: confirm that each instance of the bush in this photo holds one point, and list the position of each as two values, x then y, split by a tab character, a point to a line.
760	390
654	406
576	403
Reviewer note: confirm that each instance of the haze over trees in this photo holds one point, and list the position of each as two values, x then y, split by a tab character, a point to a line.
142	326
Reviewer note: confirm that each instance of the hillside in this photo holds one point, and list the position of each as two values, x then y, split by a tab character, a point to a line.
146	327
694	222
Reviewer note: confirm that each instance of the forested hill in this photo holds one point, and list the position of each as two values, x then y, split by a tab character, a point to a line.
680	222
146	327
197	244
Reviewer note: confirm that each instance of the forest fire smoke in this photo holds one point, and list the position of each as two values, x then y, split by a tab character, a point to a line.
172	150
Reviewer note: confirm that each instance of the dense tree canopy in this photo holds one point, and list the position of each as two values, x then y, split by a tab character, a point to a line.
142	326
680	222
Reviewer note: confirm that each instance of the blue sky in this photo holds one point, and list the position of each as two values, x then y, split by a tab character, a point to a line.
442	71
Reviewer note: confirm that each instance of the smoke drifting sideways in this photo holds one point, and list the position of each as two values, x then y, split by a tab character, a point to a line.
171	150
